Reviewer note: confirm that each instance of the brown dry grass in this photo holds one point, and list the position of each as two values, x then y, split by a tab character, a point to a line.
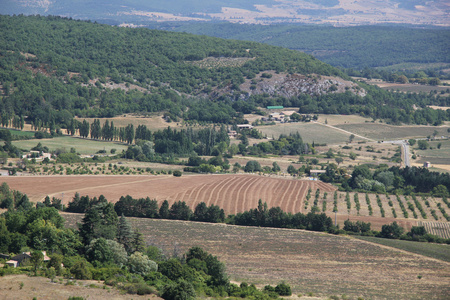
42	288
310	262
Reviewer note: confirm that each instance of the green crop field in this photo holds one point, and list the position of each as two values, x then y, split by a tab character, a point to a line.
389	132
310	132
342	119
19	133
436	251
82	146
435	155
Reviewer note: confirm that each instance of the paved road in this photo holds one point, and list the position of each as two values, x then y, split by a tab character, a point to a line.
405	150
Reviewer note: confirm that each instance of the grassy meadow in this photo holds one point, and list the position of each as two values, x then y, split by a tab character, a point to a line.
434	155
82	146
310	132
380	131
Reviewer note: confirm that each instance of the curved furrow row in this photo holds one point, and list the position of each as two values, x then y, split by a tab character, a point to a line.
197	195
223	191
233	199
290	196
271	194
324	186
303	197
226	192
181	196
242	203
266	192
297	203
280	188
284	199
211	192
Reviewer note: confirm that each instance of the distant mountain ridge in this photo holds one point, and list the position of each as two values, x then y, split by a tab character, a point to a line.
334	12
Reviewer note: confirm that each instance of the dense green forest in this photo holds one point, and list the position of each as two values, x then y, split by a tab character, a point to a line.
349	47
53	69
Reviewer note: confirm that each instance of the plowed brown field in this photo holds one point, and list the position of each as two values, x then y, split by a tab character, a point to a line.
233	193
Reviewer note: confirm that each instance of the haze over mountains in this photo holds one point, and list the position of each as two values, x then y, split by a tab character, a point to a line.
334	12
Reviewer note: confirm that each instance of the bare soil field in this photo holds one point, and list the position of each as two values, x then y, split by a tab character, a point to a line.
310	262
233	193
43	288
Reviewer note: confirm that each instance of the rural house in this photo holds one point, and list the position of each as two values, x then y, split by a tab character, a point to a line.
18	259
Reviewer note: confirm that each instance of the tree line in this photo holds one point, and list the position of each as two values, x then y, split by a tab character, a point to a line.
261	216
394	179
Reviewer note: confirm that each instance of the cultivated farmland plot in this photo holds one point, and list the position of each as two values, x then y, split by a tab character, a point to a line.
310	132
386	209
310	262
437	228
233	193
238	193
390	132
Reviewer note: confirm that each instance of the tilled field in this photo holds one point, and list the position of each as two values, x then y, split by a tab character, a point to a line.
233	193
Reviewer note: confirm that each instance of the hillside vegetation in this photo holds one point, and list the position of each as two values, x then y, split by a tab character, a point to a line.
349	47
54	69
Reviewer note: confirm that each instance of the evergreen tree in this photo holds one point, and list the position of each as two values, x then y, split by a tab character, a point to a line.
138	244
164	210
125	234
99	221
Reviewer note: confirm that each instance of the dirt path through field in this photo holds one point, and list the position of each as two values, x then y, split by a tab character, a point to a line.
345	131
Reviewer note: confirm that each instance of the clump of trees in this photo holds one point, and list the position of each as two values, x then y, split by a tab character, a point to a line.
382	179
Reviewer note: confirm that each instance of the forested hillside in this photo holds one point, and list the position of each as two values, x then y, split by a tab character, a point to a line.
53	69
349	47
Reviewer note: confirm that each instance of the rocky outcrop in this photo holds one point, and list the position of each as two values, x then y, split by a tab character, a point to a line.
292	85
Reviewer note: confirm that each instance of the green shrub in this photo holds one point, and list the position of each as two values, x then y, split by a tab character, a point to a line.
182	290
283	289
